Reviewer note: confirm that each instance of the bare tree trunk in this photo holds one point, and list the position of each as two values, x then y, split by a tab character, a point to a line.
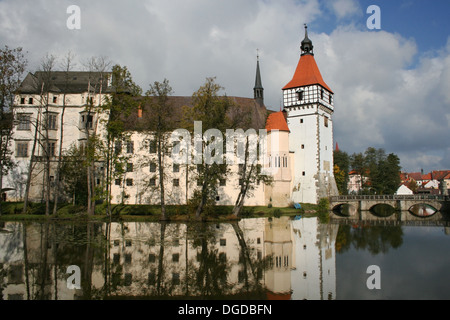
161	177
31	164
67	66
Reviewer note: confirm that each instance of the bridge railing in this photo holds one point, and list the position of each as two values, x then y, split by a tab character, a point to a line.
389	197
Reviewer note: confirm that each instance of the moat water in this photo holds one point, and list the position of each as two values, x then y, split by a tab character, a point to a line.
261	258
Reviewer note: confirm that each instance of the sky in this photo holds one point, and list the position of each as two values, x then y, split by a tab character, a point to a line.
391	84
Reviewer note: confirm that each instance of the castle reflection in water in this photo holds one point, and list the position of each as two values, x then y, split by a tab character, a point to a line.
261	258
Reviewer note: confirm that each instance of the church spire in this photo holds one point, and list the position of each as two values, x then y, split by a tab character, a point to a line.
307	46
258	90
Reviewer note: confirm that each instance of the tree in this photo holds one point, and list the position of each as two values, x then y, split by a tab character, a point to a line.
12	66
250	173
390	174
211	110
66	66
160	124
340	177
119	104
98	70
342	161
46	81
43	85
73	174
380	173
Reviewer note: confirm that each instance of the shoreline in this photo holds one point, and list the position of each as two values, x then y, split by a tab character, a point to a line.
148	213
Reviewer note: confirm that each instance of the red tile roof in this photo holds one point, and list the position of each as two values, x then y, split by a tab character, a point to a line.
307	73
277	121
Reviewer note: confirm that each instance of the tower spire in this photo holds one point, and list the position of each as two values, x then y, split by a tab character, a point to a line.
258	90
307	46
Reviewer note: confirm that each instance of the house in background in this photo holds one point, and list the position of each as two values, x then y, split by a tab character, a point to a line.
433	183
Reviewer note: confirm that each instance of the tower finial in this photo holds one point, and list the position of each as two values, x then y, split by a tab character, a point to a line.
307	46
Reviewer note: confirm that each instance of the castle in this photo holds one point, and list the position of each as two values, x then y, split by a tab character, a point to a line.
302	132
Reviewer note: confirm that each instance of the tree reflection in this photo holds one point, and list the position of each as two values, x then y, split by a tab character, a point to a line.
375	239
137	260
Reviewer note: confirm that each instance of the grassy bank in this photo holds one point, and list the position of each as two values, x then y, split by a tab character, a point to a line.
36	211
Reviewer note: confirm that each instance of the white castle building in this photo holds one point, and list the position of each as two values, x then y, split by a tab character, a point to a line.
302	158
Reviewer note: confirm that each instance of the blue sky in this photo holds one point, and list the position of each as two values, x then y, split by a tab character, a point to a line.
391	85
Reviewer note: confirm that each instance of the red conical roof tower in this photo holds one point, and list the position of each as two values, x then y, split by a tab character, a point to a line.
307	72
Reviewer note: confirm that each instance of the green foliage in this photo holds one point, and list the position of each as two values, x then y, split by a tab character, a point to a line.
276	213
380	172
341	169
211	109
323	210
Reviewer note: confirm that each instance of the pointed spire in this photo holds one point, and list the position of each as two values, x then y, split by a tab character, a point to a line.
258	90
307	46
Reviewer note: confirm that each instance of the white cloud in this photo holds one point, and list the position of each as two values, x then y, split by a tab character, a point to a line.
345	8
382	100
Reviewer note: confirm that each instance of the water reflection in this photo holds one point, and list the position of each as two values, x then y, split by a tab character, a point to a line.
422	210
266	258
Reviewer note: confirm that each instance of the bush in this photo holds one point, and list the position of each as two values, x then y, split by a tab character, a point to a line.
277	213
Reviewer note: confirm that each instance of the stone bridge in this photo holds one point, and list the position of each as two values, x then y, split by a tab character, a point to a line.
399	203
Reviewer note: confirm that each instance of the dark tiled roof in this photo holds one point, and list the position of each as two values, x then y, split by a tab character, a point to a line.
178	104
60	82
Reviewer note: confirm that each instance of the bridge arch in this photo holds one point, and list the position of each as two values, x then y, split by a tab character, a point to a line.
382	210
423	210
345	209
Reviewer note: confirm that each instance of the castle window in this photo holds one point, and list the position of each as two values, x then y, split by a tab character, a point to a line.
176	182
117	182
176	168
30	100
129	182
321	94
325	119
304	173
152	167
130	147
300	95
55	99
301	120
152	182
51	147
118	147
129	167
303	146
51	121
24	121
152	148
329	99
22	149
86	121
